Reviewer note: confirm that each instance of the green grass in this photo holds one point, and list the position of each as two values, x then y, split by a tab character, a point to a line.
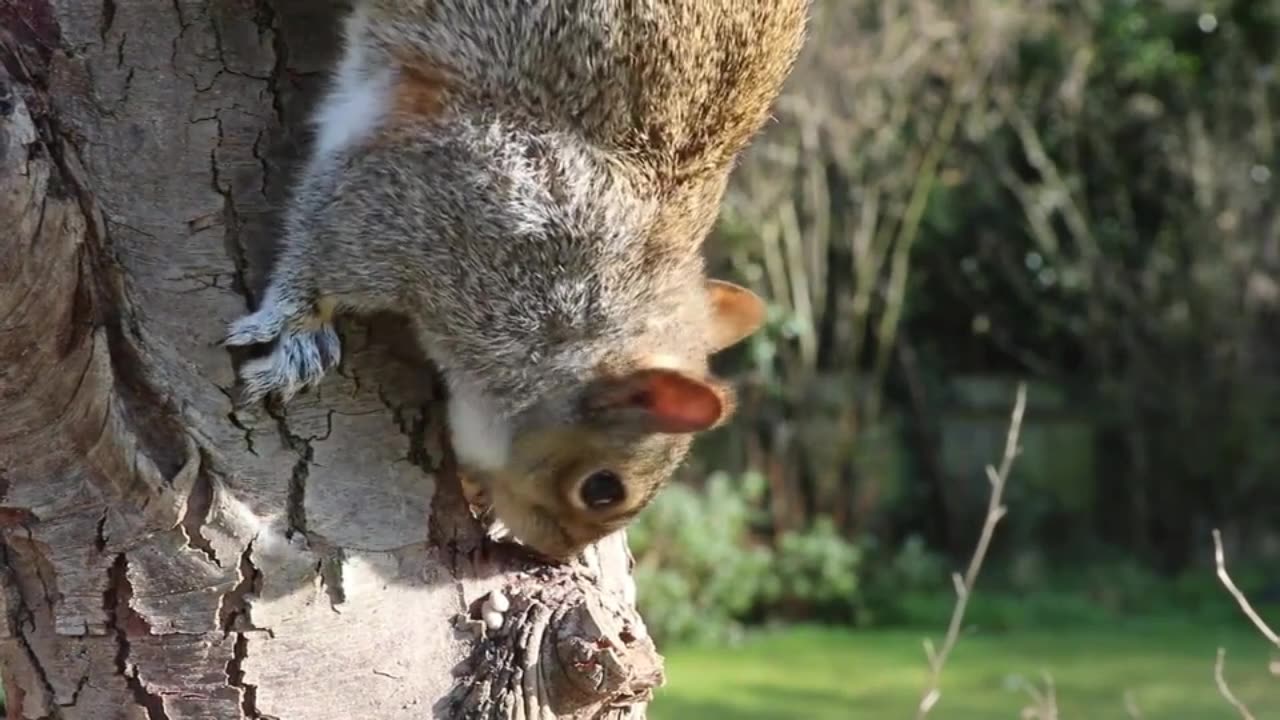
815	673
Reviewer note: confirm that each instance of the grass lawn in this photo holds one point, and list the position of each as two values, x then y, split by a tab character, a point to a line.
814	673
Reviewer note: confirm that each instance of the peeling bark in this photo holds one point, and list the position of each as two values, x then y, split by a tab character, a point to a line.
162	557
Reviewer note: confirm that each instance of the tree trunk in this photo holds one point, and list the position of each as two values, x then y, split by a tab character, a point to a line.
162	557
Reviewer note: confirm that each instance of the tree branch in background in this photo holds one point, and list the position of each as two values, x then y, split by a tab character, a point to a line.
964	585
1044	704
1220	558
1225	690
1131	707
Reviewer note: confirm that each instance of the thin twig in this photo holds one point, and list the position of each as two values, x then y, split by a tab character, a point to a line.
1051	697
1044	705
964	585
1131	706
1225	690
1220	558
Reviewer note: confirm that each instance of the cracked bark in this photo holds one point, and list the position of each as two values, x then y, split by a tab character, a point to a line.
162	557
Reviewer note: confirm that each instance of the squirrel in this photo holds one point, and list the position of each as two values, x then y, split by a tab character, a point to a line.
530	184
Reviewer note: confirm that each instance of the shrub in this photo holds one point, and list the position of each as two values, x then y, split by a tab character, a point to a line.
701	572
697	573
815	574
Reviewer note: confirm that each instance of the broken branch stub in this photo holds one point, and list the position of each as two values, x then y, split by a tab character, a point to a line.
565	649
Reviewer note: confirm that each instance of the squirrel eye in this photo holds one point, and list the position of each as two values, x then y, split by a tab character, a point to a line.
602	489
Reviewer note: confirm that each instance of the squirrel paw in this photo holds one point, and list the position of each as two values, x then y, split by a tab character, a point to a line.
257	328
478	502
300	358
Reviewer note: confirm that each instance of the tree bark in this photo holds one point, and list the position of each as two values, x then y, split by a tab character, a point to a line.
162	557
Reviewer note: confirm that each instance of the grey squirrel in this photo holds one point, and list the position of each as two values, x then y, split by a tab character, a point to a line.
530	184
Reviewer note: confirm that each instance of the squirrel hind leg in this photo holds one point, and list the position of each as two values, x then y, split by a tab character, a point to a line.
299	360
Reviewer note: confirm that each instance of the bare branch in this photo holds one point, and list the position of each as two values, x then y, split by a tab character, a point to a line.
1044	704
1224	689
1220	558
1131	707
964	586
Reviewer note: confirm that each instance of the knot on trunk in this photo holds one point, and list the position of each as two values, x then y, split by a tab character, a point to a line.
564	649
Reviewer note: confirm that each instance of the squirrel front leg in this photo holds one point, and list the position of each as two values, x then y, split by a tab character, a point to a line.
297	311
345	250
300	323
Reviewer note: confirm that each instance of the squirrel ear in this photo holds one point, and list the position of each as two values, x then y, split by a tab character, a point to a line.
664	401
736	312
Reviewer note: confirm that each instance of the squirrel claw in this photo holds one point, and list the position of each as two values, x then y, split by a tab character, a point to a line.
299	360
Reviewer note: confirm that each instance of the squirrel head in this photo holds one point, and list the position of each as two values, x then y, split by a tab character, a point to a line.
583	464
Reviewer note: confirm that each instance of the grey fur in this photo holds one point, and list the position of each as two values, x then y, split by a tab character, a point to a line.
547	221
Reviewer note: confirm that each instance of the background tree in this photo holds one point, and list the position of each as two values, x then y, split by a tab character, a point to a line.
163	557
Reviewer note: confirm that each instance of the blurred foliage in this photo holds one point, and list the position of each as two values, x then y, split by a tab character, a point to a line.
701	571
965	191
955	195
1099	596
697	573
704	575
814	574
1116	232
